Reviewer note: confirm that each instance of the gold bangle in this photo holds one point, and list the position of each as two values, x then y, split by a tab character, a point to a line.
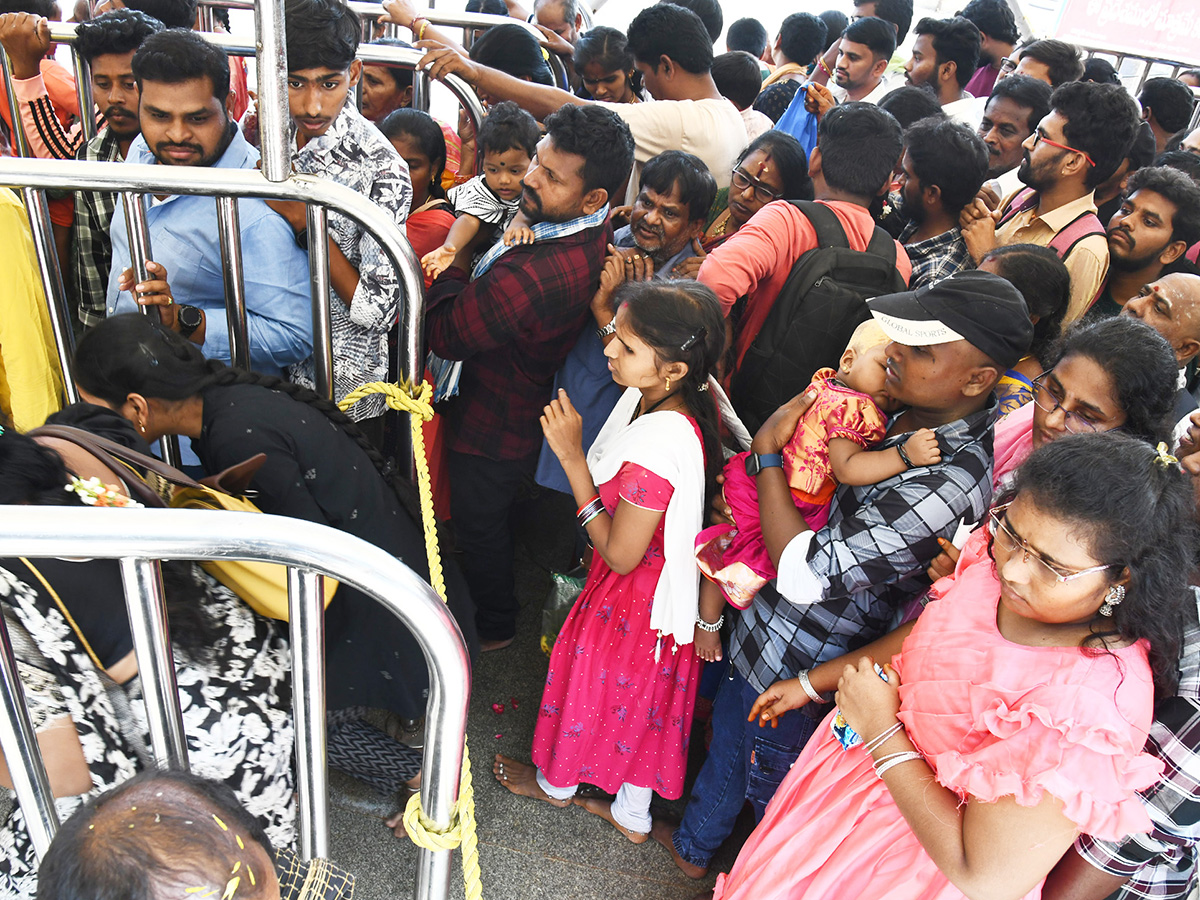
421	32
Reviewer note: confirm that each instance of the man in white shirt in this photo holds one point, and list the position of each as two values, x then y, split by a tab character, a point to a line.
865	49
672	50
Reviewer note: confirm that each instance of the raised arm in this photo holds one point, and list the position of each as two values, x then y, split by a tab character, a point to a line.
538	99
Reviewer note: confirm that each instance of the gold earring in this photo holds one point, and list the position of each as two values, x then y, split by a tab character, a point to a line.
668	385
143	427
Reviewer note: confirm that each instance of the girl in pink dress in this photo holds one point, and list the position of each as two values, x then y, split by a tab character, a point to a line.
616	711
831	445
1015	713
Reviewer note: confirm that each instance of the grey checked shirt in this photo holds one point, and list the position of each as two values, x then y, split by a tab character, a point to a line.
353	152
870	558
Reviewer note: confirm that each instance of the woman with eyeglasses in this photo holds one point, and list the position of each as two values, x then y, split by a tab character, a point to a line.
1115	375
773	167
1015	710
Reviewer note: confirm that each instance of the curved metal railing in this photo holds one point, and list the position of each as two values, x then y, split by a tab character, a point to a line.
141	537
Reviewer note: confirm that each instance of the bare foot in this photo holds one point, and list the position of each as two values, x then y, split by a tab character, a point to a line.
599	806
486	646
663	832
396	823
522	780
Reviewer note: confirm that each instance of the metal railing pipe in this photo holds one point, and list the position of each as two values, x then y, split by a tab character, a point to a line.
18	743
274	117
83	91
229	230
306	616
192	534
147	607
107	176
20	141
318	274
50	270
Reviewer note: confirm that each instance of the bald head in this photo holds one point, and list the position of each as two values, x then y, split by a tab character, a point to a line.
1171	306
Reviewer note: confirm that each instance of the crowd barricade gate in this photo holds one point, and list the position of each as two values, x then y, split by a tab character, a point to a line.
143	538
275	180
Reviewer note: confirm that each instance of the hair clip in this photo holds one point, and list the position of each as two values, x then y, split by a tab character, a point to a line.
703	386
691	342
1164	458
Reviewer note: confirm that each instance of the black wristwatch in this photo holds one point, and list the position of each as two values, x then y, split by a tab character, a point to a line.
190	318
756	462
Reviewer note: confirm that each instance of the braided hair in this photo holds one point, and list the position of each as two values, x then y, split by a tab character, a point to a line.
1141	522
681	321
133	354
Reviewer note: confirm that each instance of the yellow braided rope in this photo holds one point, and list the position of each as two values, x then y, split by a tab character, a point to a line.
461	833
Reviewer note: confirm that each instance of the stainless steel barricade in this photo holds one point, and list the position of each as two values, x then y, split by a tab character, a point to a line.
276	169
96	176
139	538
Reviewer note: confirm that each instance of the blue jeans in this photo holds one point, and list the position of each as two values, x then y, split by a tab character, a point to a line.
745	762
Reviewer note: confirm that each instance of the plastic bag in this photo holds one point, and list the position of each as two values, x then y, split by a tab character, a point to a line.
799	122
565	588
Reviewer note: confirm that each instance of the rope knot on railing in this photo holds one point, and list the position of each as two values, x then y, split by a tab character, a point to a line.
401	398
461	831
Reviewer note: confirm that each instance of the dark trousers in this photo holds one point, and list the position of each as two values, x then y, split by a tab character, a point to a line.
481	499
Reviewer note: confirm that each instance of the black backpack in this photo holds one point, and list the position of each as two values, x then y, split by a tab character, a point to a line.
812	319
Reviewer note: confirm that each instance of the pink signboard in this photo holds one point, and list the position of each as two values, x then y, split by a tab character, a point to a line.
1159	29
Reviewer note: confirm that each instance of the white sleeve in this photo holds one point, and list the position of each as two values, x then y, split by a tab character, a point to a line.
796	582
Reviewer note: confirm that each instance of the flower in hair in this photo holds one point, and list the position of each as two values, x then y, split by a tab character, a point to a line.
1164	458
94	492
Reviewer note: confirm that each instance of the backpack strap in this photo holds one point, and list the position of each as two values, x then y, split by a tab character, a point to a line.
1083	226
883	246
1025	200
824	222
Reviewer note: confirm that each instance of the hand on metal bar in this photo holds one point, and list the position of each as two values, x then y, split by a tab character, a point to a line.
157	292
440	61
26	39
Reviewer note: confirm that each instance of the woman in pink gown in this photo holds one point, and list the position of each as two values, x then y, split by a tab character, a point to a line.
616	711
1015	714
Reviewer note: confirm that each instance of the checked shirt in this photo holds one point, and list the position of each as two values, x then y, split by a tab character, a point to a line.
870	559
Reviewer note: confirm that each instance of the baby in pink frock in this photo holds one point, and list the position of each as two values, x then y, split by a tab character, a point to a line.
847	417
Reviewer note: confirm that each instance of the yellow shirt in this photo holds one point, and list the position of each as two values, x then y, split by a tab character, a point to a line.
30	377
1088	260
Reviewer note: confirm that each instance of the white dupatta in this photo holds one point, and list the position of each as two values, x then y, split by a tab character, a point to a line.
667	445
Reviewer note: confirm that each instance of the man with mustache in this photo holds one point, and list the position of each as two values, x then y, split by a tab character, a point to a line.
512	322
674	194
106	44
1075	149
1012	113
863	55
184	114
1156	223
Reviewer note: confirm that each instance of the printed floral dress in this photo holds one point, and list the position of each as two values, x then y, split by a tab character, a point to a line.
617	706
235	704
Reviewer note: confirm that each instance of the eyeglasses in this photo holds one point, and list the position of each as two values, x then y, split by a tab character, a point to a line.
1043	390
1008	64
1038	138
1043	570
742	180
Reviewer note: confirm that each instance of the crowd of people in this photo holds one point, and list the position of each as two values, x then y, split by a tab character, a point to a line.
873	386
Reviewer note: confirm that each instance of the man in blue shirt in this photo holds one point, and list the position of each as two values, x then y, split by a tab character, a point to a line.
185	120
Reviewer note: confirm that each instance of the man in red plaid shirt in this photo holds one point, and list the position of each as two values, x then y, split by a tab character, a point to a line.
512	324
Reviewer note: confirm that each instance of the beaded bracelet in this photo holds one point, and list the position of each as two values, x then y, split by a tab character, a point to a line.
894	759
876	742
808	688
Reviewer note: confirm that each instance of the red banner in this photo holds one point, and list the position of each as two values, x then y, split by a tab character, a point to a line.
1158	29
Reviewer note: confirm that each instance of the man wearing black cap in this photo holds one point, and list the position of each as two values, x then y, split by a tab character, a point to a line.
843	586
